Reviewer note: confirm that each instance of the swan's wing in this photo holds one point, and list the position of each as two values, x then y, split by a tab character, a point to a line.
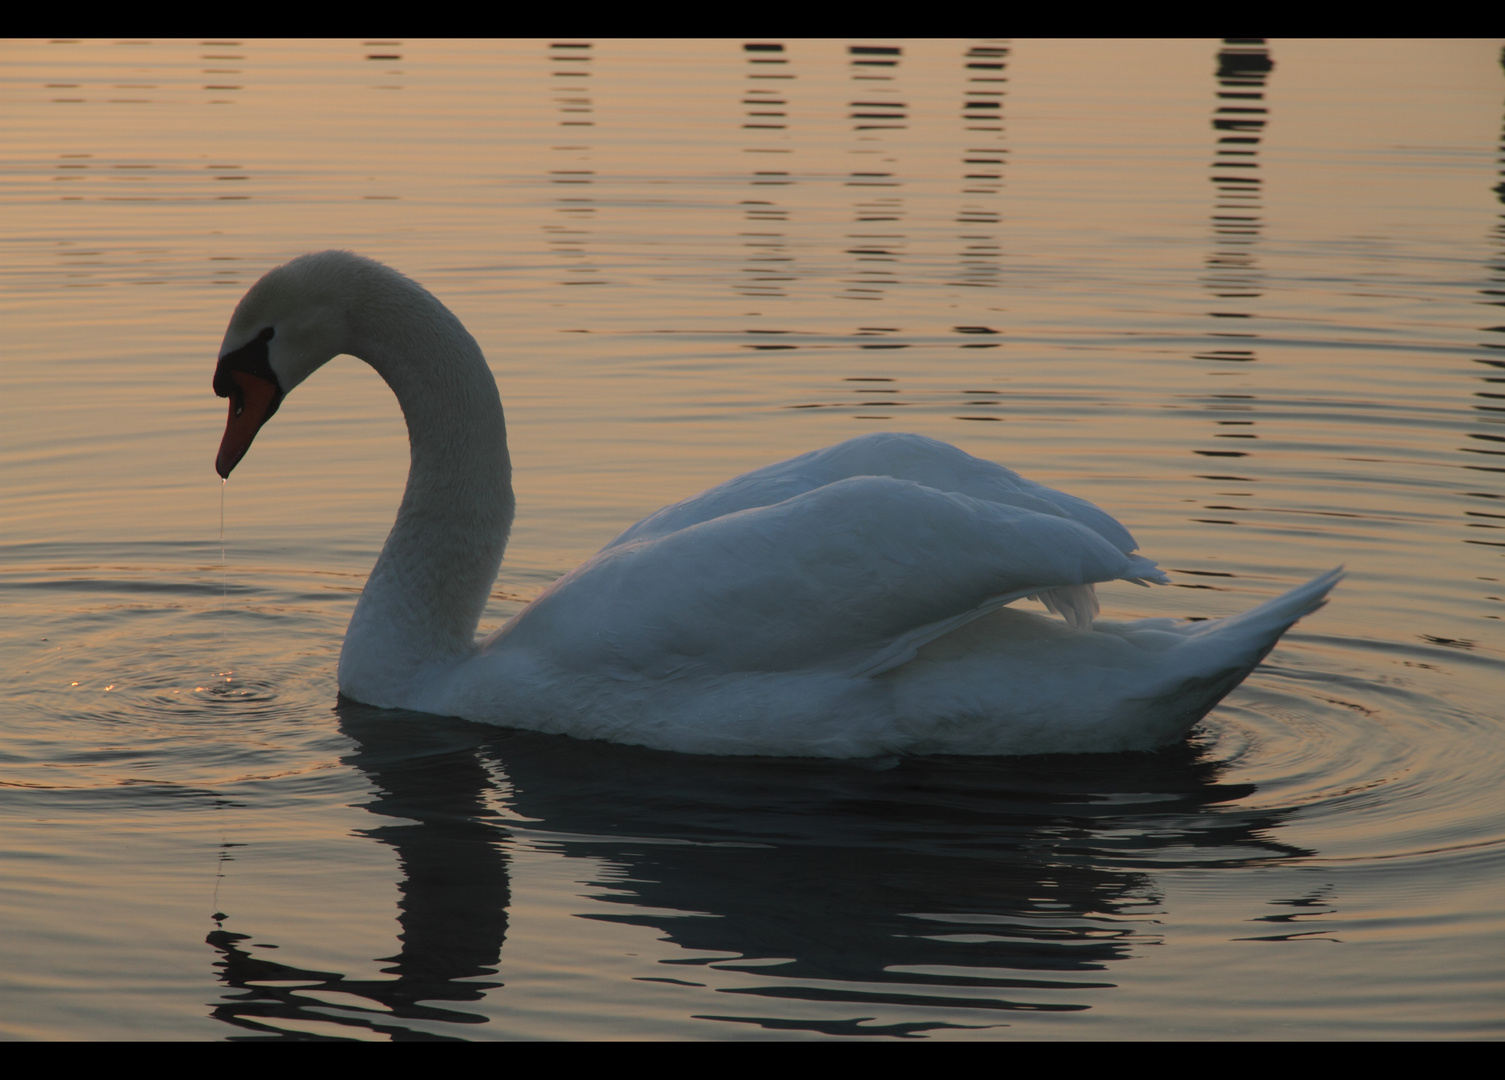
853	576
935	464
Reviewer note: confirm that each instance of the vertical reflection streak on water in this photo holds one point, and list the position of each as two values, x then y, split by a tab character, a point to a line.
766	110
132	177
384	52
569	86
1239	118
226	180
982	164
877	208
1484	521
218	78
1233	278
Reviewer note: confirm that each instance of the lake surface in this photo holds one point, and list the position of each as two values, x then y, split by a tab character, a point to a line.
1245	296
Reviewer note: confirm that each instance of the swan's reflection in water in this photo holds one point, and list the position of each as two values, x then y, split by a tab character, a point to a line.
432	785
940	890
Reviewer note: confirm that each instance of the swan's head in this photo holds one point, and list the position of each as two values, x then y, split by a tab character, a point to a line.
292	322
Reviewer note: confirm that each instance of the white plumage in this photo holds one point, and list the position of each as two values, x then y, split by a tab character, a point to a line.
845	603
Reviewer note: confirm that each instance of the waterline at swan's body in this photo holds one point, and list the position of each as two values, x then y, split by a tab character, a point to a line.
845	603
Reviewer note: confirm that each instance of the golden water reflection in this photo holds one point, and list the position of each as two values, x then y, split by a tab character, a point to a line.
688	259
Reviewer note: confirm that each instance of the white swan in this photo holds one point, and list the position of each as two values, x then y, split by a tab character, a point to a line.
845	603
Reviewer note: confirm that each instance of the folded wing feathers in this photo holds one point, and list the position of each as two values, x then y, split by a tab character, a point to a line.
866	550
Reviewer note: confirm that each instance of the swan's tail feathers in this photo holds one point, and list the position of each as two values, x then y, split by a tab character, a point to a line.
1262	626
1280	614
1219	654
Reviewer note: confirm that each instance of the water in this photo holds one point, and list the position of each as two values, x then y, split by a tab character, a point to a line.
685	260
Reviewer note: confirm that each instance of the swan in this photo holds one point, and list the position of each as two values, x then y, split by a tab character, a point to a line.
849	602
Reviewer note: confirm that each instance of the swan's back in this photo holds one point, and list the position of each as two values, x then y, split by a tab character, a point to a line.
929	462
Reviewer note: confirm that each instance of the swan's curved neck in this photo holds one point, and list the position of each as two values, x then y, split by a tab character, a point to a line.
423	600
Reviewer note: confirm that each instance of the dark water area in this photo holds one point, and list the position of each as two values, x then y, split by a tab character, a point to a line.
736	856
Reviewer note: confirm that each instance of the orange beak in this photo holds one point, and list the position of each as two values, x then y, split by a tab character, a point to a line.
251	403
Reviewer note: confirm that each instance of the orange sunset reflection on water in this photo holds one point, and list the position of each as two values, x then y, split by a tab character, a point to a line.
1243	294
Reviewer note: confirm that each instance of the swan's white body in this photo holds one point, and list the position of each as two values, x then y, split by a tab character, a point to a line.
845	603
